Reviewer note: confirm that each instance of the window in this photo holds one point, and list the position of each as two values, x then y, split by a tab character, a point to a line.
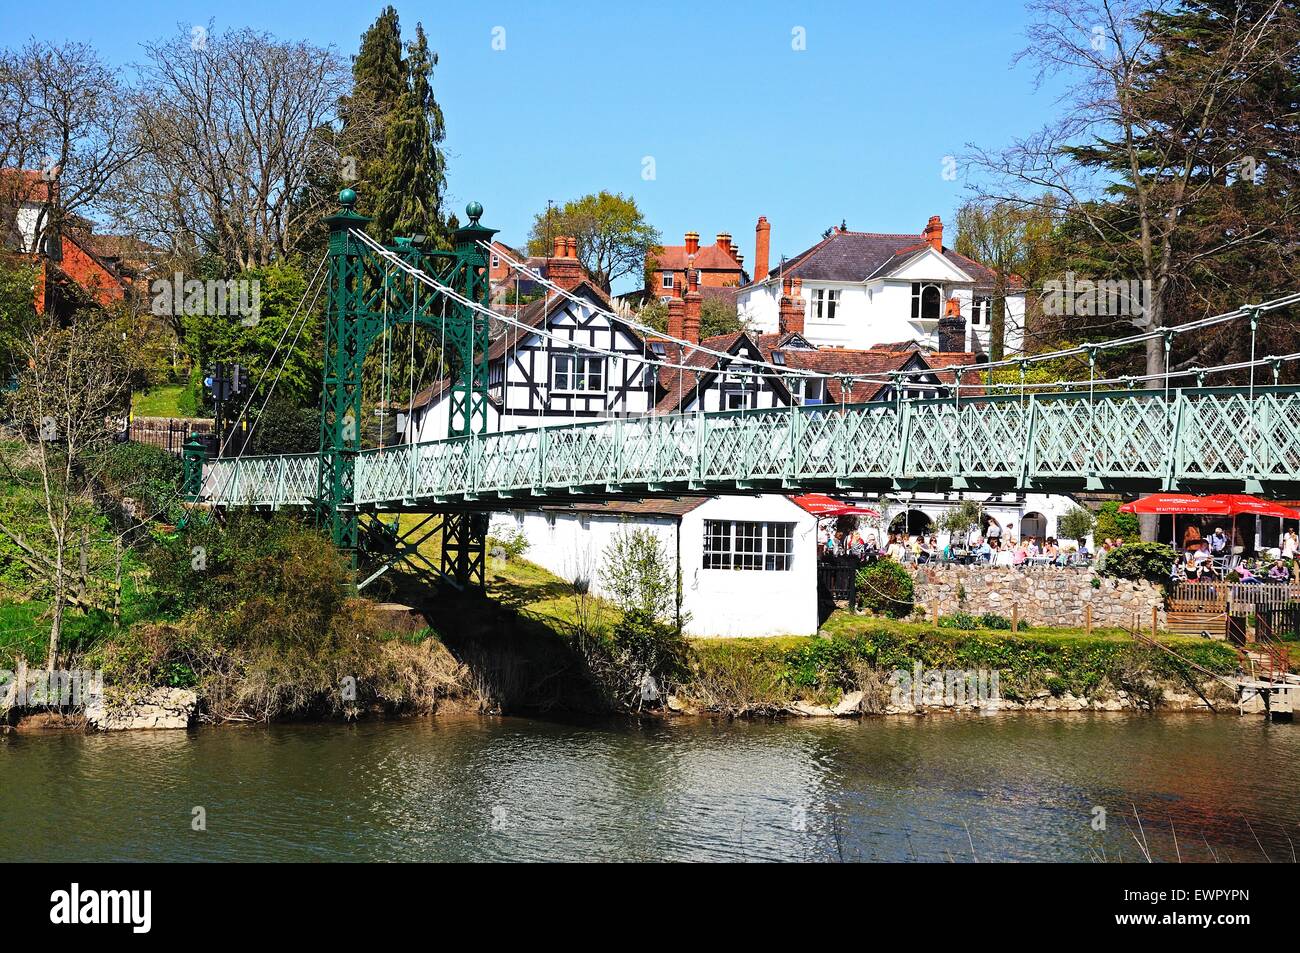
778	357
826	302
748	545
738	394
569	372
496	261
658	348
981	310
667	279
925	301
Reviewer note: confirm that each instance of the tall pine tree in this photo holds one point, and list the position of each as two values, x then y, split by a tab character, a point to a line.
409	199
379	81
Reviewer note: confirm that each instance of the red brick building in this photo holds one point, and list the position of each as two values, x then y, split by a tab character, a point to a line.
720	265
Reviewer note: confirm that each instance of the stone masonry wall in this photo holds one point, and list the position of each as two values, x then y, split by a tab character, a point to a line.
1048	597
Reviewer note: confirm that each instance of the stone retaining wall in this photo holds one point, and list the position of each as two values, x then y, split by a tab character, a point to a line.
1043	596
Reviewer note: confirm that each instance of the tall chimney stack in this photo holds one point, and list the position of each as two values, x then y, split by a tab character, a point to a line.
676	318
934	233
691	310
724	241
952	328
791	311
692	242
762	247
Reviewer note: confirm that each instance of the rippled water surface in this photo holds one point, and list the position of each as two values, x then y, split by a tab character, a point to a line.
1005	787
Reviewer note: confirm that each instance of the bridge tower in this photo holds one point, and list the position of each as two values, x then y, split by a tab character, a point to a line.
368	296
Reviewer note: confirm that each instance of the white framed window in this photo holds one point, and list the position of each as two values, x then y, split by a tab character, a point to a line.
826	302
738	394
926	301
496	261
577	373
666	279
748	545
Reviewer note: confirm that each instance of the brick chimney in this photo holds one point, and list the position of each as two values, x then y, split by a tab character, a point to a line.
563	267
934	233
762	247
692	242
724	241
791	310
676	318
691	309
952	327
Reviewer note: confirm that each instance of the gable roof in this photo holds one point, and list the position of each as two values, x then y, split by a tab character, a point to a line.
857	256
707	258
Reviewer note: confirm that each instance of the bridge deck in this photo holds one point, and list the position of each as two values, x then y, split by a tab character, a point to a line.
1124	440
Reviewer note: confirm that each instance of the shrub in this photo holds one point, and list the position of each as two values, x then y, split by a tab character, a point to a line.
1149	561
886	587
991	620
1112	524
149	475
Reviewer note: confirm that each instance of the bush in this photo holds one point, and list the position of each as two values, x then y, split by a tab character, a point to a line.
1149	561
149	475
1112	524
886	587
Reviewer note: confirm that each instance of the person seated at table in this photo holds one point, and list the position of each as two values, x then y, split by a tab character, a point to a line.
1245	575
1020	554
1084	554
1278	572
1193	570
1005	556
1050	550
984	553
1200	553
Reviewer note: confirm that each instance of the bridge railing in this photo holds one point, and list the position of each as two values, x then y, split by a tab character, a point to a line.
1135	438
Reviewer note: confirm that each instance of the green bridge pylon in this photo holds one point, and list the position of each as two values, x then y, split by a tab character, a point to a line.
367	298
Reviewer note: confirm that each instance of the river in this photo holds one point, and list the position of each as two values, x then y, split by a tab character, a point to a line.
1001	787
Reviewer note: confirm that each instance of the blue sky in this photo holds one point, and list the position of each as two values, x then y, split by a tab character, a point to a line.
856	126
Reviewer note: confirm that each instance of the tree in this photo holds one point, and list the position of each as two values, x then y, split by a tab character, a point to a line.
1141	152
71	385
412	179
64	118
1003	236
718	317
1076	523
231	130
379	81
613	235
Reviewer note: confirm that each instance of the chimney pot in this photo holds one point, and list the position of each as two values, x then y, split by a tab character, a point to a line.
934	233
692	242
564	269
724	241
558	246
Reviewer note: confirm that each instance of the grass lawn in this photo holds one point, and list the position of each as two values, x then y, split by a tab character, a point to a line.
159	402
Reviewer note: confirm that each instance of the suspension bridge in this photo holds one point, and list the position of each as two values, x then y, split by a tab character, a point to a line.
1134	436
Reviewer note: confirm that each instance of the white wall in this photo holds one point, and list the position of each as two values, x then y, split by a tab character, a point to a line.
1051	505
720	602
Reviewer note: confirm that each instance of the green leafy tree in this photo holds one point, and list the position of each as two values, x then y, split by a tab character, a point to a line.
1112	524
718	317
887	588
614	237
1076	523
379	82
639	577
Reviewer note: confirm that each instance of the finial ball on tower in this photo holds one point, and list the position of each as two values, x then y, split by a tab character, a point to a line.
348	198
475	211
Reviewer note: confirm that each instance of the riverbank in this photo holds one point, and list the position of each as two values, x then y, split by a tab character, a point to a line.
521	650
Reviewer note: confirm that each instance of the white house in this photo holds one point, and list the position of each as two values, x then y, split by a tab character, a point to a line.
748	564
1020	514
863	289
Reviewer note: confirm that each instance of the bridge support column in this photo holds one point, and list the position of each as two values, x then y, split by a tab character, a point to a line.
464	548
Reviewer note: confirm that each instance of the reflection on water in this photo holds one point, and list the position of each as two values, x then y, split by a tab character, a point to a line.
1006	787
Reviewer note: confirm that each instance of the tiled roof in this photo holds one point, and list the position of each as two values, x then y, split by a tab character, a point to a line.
707	258
669	506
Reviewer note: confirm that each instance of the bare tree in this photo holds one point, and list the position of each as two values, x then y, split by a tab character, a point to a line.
232	126
73	383
63	136
1129	133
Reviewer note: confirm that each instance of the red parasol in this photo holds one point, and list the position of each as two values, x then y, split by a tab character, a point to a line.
1178	504
819	504
1235	503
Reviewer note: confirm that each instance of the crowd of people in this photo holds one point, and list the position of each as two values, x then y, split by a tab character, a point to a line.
994	544
1212	557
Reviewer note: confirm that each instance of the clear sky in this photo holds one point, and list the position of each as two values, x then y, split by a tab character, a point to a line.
739	123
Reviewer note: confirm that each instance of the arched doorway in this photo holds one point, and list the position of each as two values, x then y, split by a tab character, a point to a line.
1033	524
913	523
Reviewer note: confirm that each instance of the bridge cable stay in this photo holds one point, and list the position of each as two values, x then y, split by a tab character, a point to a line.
1080	350
224	441
770	369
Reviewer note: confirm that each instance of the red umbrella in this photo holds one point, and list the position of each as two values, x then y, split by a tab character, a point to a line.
1177	503
1235	503
819	504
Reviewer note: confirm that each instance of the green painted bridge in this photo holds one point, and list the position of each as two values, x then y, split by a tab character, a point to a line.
1125	440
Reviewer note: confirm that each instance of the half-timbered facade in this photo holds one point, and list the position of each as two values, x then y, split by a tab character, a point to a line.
551	371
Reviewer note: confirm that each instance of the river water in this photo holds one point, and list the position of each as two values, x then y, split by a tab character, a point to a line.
1000	787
